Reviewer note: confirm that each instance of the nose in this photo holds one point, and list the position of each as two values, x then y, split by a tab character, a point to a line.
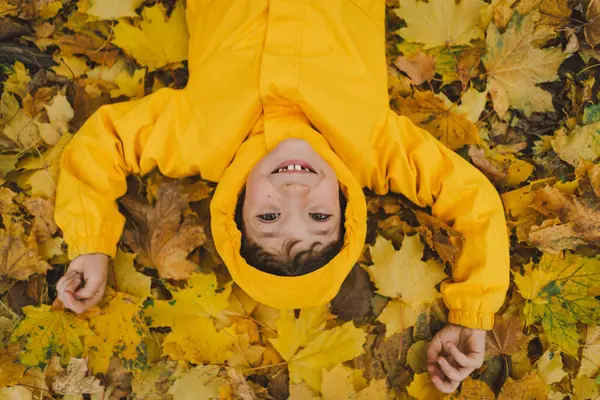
294	189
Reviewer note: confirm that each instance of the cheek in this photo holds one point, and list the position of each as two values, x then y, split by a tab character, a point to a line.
331	191
258	191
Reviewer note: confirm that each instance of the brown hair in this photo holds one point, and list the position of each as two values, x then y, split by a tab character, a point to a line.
282	263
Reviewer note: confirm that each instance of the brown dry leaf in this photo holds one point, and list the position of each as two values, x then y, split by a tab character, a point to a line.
19	257
592	28
507	336
446	241
571	220
551	17
43	211
353	301
419	67
531	387
429	112
159	237
73	379
590	171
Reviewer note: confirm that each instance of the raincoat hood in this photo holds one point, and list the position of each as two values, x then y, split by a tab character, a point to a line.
283	292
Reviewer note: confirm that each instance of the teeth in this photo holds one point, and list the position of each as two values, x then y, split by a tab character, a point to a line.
293	167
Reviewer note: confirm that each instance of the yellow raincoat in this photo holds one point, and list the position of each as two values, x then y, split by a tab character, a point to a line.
262	71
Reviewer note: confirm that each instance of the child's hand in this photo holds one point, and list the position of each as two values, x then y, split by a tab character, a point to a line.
453	354
83	285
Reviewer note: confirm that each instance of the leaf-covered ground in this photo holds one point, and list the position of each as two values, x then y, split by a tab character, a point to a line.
511	86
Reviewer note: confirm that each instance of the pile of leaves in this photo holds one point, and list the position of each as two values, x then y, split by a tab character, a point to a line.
511	86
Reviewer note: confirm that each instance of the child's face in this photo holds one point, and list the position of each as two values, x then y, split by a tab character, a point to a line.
282	205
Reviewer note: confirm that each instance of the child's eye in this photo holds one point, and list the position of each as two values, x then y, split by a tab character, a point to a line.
319	216
270	217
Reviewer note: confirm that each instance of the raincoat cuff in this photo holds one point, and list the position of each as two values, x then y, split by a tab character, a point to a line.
471	319
92	244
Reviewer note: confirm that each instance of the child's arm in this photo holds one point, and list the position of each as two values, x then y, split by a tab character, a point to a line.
117	140
413	163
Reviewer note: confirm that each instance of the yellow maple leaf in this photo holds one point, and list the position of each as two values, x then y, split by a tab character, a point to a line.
129	85
10	369
70	66
422	388
19	256
41	173
113	9
244	354
398	316
520	364
127	279
326	350
17	80
199	382
440	22
120	330
432	114
585	389
402	273
153	382
158	41
515	67
337	384
500	166
590	359
45	331
572	271
191	316
582	143
550	367
198	341
531	283
331	347
296	332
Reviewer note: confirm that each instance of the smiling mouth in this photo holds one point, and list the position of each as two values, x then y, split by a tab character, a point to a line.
294	167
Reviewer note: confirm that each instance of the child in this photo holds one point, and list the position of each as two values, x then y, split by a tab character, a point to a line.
287	109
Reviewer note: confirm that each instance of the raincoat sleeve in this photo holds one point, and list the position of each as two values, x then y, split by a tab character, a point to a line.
116	141
415	164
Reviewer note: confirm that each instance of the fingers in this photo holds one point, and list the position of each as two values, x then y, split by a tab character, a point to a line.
444	386
60	285
79	305
435	370
472	360
454	374
434	349
91	287
71	303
